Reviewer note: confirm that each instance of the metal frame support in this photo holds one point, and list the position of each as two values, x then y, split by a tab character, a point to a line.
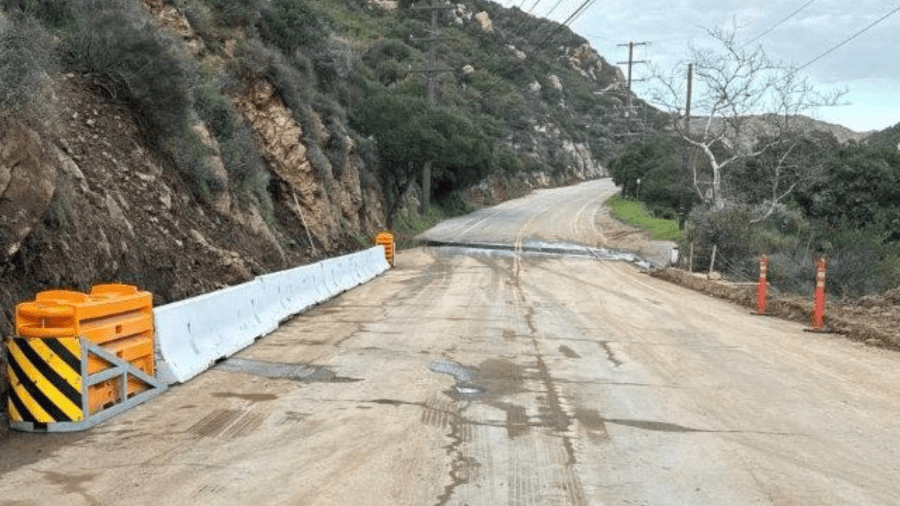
121	369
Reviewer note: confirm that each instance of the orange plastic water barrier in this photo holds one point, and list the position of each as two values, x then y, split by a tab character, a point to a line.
818	319
386	239
117	317
762	287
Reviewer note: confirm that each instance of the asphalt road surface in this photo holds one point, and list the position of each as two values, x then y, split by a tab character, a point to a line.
501	376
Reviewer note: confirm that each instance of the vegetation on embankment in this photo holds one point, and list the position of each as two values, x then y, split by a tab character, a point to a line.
635	213
845	206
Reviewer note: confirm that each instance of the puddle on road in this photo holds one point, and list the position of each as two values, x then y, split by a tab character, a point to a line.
492	379
283	370
463	376
246	397
568	352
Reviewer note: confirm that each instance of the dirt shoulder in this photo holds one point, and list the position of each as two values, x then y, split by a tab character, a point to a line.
874	320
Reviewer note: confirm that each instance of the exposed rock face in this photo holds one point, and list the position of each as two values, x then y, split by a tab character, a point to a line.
27	183
484	19
556	83
326	203
385	5
175	22
585	167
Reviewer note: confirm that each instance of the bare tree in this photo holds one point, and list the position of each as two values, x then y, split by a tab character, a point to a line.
740	97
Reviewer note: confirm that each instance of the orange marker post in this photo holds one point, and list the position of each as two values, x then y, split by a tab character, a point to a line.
818	320
763	285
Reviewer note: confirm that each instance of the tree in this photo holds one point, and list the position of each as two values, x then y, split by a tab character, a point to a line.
861	190
656	163
795	162
739	97
408	132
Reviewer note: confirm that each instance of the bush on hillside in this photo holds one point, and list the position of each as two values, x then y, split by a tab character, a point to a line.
127	55
247	174
237	13
291	24
860	260
26	59
189	156
55	13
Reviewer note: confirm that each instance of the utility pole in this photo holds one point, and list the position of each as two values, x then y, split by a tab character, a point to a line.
631	61
630	110
431	73
687	108
686	159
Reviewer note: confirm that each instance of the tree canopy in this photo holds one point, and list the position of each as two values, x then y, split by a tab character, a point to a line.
409	132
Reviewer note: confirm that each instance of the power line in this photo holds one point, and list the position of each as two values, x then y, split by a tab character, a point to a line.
848	39
780	22
536	2
575	15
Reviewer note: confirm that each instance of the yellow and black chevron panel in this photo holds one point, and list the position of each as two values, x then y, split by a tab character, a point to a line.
45	380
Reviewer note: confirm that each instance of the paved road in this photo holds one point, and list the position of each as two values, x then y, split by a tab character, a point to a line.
491	377
562	217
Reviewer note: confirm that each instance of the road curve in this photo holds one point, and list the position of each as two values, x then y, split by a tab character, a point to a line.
501	377
573	215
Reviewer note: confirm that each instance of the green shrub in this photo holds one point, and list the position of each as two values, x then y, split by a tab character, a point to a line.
861	261
55	13
247	174
290	25
114	43
203	24
214	108
189	156
333	62
366	160
236	12
294	79
26	57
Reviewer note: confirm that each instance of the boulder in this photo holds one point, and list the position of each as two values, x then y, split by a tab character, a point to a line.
484	19
27	183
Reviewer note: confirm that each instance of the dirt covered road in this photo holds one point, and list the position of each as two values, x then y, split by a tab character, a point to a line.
502	376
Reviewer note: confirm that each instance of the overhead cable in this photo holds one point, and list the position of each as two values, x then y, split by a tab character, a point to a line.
575	15
754	39
848	39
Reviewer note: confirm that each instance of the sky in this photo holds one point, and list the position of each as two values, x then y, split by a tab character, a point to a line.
868	66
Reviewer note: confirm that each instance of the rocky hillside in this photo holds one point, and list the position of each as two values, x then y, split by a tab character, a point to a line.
756	126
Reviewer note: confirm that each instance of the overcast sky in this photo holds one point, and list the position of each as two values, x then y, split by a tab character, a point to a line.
869	65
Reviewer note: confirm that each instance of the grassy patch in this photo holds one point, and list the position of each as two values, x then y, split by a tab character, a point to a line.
411	223
636	213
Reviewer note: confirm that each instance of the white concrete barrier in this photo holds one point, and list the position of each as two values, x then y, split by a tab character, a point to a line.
192	334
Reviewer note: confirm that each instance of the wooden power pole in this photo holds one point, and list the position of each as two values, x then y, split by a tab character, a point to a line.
631	61
634	124
431	72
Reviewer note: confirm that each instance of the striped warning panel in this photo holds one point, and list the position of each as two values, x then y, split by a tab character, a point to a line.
45	383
